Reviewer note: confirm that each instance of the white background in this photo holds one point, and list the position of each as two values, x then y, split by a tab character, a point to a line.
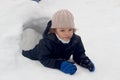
97	22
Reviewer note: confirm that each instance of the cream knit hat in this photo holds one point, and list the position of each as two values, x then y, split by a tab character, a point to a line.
63	19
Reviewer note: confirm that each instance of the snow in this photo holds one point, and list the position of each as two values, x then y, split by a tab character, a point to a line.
97	22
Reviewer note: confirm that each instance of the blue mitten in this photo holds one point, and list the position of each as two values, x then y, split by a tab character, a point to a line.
87	63
91	67
68	67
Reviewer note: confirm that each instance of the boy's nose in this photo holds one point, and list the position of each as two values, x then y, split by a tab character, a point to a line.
67	34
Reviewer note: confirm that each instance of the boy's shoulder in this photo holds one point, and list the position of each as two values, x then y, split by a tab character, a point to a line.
75	36
76	39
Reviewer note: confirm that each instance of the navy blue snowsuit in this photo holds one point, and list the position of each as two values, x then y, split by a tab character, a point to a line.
51	52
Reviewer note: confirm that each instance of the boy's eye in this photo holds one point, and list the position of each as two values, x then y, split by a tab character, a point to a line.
62	30
70	29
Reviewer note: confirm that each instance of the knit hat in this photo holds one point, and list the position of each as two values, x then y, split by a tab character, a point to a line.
63	19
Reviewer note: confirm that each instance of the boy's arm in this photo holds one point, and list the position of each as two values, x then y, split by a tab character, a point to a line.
44	50
80	57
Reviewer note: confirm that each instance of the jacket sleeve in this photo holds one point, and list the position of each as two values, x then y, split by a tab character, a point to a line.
44	50
79	52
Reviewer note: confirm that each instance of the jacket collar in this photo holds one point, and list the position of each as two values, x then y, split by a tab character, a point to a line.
63	41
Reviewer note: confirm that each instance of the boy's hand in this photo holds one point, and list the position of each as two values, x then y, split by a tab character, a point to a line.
87	63
91	67
68	68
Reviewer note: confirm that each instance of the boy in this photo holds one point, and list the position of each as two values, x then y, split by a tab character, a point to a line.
59	42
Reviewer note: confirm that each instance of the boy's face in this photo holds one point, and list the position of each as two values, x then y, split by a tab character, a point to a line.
65	33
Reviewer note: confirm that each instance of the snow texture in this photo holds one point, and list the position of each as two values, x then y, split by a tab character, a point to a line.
97	22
